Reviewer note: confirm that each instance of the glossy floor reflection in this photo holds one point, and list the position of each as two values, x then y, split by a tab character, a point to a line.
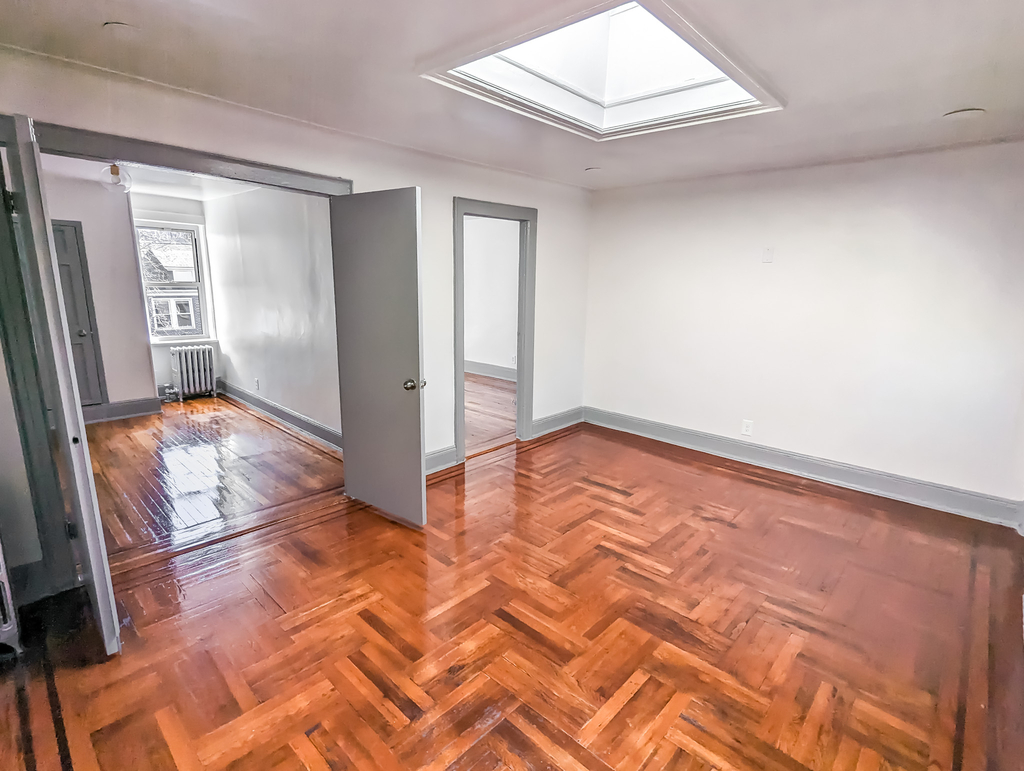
197	472
490	413
589	601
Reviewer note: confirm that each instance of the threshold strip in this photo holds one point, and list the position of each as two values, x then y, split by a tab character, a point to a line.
492	449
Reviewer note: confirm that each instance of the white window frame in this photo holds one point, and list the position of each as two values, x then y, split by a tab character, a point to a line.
202	285
172	316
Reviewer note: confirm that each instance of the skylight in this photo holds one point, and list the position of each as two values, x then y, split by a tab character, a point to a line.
620	72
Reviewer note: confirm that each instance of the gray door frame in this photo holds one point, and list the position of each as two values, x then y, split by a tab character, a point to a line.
90	307
95	146
32	389
527	219
57	381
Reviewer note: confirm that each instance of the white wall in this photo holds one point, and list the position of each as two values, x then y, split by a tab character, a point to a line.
273	294
165	207
114	276
888	333
53	91
491	254
18	532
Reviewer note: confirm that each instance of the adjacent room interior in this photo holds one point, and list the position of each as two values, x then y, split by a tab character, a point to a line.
555	385
198	309
491	270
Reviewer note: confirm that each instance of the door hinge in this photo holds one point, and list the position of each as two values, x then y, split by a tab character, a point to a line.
9	206
71	528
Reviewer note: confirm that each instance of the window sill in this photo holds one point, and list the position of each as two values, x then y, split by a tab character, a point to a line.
184	341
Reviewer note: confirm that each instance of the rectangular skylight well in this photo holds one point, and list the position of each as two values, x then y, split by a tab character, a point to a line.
622	71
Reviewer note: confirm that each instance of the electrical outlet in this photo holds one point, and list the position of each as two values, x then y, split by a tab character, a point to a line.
513	361
768	254
257	384
747	429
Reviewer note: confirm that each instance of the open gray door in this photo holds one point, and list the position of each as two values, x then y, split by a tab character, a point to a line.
68	450
376	242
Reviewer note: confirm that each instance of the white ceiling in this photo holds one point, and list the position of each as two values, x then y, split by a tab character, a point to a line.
149	180
859	78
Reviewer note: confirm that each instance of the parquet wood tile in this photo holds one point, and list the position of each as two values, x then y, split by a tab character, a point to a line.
585	601
490	413
200	471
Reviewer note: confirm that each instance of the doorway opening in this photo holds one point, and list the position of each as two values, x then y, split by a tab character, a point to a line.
194	283
495	258
62	538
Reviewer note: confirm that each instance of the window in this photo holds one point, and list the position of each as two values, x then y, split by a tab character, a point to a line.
621	72
177	314
172	277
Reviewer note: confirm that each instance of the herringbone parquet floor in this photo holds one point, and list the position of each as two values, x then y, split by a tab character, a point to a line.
199	472
588	602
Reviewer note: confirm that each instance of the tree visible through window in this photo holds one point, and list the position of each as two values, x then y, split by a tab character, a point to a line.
172	278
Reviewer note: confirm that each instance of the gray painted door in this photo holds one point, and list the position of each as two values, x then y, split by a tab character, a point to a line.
67	439
74	282
376	242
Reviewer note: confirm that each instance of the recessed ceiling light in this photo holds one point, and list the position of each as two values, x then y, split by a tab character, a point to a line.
964	113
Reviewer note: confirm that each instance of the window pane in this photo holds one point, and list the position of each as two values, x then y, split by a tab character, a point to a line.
168	255
174	312
183	309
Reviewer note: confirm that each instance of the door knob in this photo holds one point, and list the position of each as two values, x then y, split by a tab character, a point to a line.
409	385
82	333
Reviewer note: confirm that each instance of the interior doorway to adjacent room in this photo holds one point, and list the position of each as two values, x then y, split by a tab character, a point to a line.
491	256
494	264
370	242
183	270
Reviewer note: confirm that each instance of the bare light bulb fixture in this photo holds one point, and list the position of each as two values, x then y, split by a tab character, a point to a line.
116	179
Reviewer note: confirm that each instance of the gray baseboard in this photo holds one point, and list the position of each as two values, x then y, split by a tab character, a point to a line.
987	508
491	370
439	460
130	408
314	429
559	420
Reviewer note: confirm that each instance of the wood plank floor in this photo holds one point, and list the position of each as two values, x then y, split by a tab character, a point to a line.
199	472
490	413
585	601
